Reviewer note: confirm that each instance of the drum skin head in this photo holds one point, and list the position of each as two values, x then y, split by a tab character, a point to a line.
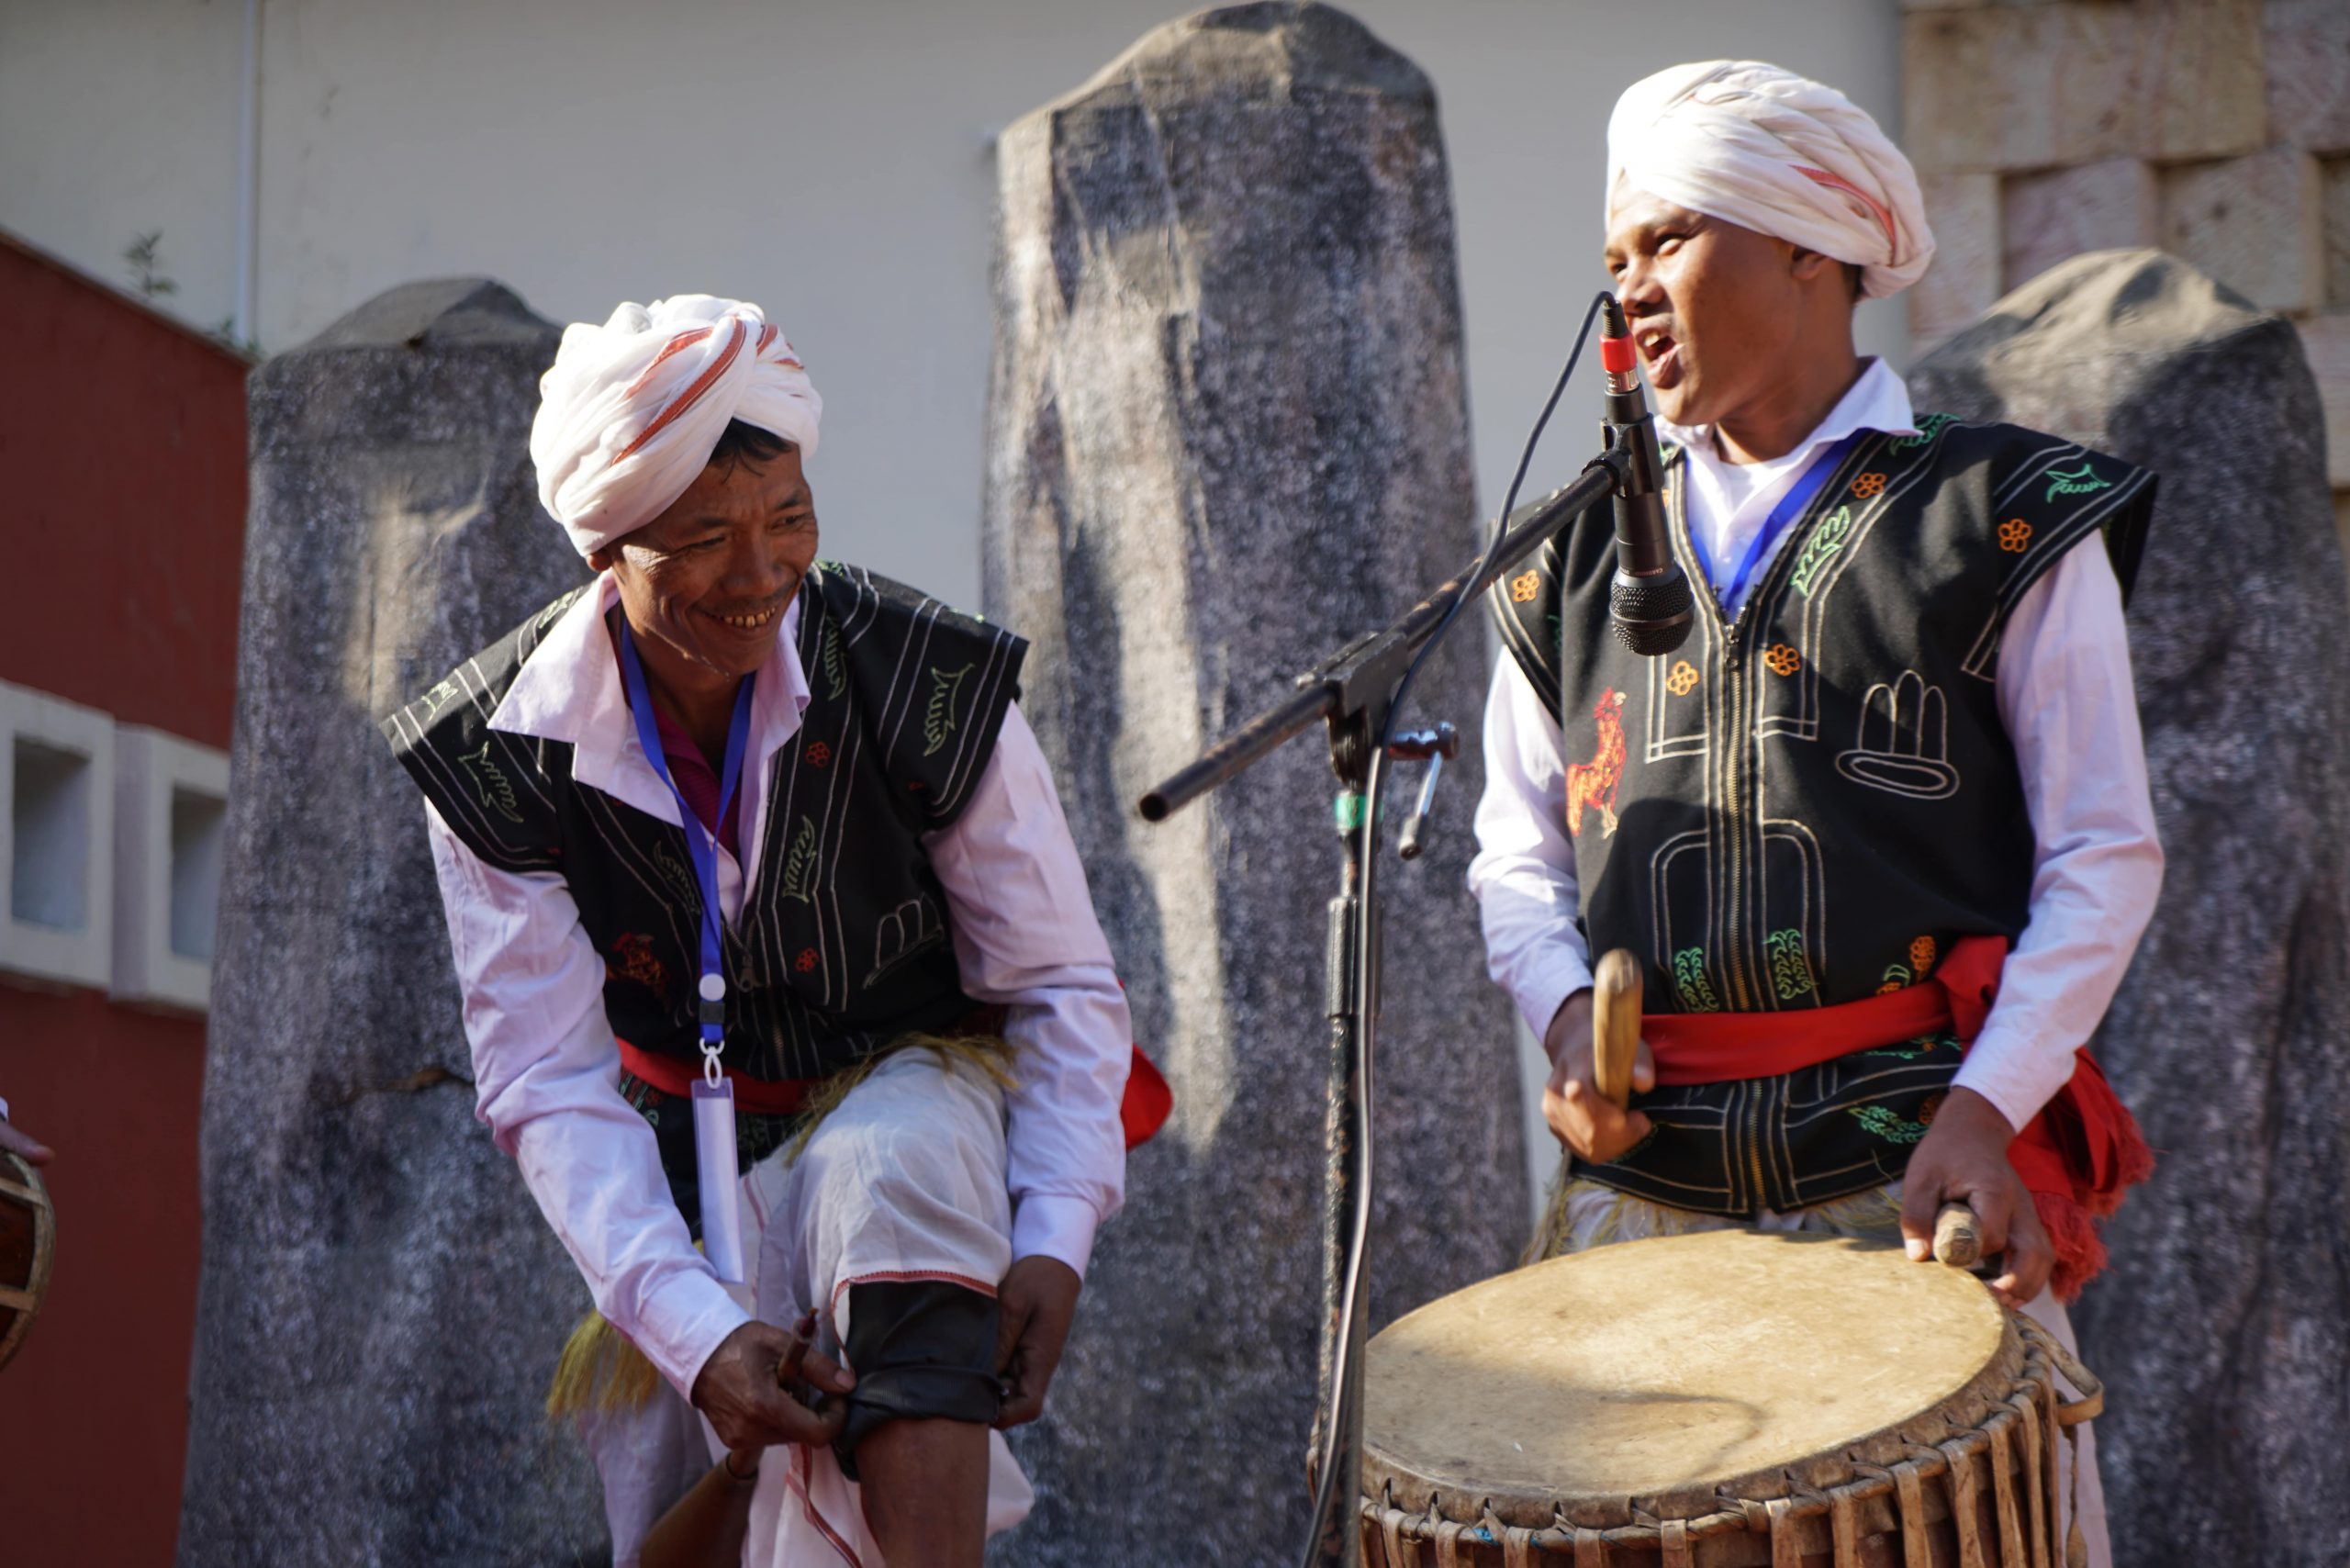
1659	1373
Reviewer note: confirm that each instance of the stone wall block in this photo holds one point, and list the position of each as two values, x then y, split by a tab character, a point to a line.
2333	181
1964	212
2220	1326
2256	223
2110	205
381	1305
2326	339
2305	44
1228	430
2041	87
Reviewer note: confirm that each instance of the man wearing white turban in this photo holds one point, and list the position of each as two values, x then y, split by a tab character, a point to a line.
770	934
1891	796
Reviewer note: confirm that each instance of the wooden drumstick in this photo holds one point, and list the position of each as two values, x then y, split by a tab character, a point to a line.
1614	1026
1958	1237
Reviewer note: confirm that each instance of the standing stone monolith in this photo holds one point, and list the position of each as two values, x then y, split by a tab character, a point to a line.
1228	432
381	1305
2222	1325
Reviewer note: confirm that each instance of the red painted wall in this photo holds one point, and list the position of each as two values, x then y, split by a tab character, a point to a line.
122	509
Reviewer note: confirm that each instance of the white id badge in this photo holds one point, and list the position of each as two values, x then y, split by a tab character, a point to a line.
721	1206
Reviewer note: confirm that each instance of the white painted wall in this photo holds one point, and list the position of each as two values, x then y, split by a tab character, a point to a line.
832	162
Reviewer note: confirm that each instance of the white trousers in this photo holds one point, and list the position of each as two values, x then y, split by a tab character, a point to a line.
1596	1215
904	1180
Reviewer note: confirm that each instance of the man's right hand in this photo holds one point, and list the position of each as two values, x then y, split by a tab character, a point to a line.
744	1389
1579	1115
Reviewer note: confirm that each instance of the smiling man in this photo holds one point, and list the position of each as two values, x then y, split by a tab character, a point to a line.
1879	833
730	812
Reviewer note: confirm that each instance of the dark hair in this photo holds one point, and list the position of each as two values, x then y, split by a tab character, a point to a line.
1853	275
739	443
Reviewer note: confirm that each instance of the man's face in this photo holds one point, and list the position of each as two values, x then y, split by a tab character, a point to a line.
1714	308
710	577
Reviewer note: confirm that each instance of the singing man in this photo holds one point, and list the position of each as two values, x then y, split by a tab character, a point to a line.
1899	750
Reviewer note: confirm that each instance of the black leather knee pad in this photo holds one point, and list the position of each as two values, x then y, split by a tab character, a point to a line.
920	1348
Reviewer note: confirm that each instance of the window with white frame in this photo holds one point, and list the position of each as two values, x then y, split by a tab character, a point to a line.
57	838
171	811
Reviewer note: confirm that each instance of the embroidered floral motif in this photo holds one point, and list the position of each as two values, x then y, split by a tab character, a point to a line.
2014	534
1921	955
1592	784
1696	993
1887	1125
1868	485
799	865
1927	1111
938	722
836	665
1783	659
637	962
1896	977
806	961
1825	541
1683	678
818	754
1790	970
490	782
1523	588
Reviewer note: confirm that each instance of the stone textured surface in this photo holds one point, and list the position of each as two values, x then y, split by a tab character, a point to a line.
1228	430
2253	221
2109	205
1964	212
2223	1324
381	1303
2031	87
2326	339
2305	44
2333	177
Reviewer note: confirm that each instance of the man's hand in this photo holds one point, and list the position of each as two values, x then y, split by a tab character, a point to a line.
1964	1159
1579	1115
1037	1302
31	1149
744	1389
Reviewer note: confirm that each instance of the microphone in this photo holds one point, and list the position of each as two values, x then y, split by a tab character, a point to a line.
1648	604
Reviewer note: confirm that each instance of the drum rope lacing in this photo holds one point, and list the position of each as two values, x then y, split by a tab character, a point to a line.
2030	1415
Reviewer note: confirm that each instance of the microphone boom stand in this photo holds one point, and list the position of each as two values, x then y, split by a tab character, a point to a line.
1352	692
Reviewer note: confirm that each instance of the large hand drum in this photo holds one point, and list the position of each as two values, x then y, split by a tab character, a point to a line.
28	1239
1713	1400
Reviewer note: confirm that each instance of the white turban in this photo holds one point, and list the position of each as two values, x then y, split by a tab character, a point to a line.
631	409
1778	154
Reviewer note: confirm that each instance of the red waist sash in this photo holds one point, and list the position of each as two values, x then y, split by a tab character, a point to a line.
2076	1158
1146	1106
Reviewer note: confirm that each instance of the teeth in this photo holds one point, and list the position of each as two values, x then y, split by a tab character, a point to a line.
747	623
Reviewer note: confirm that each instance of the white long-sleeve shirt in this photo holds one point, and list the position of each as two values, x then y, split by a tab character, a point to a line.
2065	694
546	1065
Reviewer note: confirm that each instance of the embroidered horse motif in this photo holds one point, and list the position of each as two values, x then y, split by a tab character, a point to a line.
1593	783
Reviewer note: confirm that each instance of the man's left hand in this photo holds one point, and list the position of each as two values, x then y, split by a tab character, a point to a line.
1037	1300
1964	1159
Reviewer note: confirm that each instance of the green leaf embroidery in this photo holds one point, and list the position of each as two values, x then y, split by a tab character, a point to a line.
1790	970
1689	980
1825	541
836	665
1929	426
1888	1126
490	782
938	723
2082	481
799	865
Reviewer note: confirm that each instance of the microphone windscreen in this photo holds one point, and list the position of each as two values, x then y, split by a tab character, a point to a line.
1651	615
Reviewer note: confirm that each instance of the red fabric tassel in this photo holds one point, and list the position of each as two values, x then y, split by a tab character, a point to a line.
1148	1101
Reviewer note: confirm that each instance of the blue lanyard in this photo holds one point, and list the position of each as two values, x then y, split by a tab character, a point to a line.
1791	507
702	843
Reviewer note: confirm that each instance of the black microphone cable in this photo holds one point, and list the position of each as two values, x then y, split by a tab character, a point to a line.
1365	963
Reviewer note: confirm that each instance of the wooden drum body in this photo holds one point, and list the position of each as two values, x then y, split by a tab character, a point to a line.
28	1242
1712	1401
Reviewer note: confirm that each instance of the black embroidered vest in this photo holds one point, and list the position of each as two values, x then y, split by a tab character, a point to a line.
843	942
1809	802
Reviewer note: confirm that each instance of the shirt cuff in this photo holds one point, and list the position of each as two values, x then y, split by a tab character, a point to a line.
1993	1075
1054	1226
680	1323
1541	994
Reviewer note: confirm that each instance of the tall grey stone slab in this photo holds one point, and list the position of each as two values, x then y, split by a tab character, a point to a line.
381	1305
2223	1325
1227	431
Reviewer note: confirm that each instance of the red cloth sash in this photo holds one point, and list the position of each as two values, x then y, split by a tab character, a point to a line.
2076	1158
1142	1111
